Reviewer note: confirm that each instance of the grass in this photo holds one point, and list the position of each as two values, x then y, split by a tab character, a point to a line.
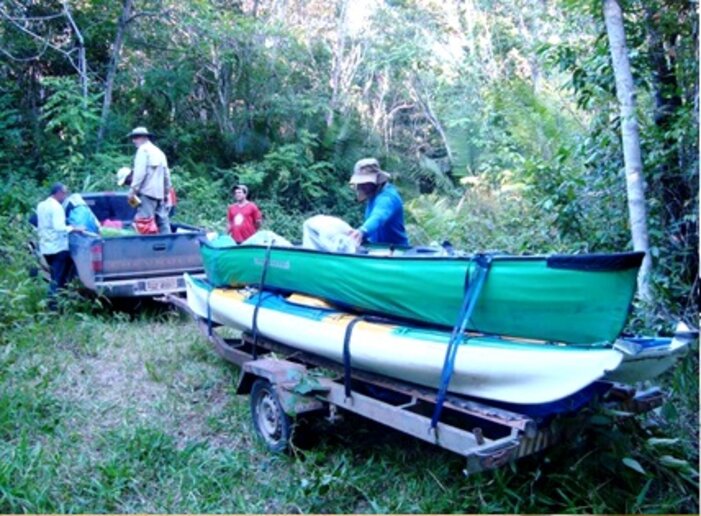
101	412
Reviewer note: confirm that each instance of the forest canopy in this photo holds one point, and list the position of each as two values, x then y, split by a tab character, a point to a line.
499	120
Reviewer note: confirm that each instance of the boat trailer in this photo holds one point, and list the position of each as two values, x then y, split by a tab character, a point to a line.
285	383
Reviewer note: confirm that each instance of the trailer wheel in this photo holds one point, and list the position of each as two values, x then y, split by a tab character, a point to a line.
269	420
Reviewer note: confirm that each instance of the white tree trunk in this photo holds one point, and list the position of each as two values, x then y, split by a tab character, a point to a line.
631	141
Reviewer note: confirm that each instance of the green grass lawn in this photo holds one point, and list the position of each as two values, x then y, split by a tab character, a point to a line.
102	412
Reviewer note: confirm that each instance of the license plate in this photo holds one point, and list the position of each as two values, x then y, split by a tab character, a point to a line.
159	284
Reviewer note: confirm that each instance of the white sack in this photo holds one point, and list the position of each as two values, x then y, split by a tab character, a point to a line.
264	237
325	233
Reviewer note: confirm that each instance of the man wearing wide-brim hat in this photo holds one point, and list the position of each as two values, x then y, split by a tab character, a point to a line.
150	183
384	212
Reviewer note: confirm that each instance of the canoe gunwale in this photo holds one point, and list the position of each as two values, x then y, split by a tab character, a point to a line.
616	261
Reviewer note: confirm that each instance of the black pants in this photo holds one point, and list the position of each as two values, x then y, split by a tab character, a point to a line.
61	266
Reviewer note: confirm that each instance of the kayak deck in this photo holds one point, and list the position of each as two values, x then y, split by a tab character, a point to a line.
489	367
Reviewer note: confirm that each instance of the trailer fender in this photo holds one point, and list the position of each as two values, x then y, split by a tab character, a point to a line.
296	389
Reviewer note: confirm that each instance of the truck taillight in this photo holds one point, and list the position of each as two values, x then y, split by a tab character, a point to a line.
96	255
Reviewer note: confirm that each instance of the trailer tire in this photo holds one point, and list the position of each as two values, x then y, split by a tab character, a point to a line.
271	422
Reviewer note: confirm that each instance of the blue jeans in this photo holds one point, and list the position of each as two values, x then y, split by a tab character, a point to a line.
61	268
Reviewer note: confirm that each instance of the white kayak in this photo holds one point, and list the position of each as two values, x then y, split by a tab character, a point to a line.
512	371
645	358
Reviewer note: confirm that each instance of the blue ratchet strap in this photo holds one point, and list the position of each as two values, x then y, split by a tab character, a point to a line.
483	263
254	329
209	313
346	346
347	355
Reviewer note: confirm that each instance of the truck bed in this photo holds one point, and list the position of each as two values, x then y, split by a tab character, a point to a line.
139	265
134	265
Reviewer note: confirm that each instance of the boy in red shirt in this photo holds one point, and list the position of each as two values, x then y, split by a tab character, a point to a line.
244	217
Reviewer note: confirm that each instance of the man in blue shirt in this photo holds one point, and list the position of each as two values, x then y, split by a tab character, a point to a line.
384	213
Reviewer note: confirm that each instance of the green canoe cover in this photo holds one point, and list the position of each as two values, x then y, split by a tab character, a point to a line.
581	299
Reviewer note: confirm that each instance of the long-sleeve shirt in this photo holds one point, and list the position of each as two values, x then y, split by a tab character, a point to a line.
384	218
151	175
52	228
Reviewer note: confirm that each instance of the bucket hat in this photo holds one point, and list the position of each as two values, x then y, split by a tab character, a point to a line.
367	170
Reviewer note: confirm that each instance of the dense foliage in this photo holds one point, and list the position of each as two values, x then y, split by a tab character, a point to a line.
498	120
506	113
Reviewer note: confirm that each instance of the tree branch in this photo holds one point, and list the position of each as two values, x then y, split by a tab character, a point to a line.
147	13
24	59
33	18
5	16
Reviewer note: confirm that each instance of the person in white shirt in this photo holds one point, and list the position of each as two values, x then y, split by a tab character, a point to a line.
53	239
150	184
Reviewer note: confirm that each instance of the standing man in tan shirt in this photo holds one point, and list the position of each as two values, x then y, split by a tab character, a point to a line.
150	182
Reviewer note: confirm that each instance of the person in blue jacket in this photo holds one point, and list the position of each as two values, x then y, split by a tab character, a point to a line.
384	213
78	213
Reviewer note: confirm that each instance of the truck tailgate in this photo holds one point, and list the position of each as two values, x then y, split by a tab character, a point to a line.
152	255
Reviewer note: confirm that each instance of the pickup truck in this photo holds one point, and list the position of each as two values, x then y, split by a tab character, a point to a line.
133	265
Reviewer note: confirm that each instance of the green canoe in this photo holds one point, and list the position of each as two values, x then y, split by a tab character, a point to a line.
576	299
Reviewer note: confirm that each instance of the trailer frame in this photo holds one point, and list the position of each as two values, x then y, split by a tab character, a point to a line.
286	383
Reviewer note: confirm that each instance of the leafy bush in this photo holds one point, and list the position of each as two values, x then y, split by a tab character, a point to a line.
296	177
484	220
201	200
288	184
22	297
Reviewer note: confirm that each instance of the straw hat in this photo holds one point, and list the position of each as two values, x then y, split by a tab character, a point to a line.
368	170
139	132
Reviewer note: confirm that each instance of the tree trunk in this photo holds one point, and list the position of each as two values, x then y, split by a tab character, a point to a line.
422	98
671	180
82	64
630	136
337	66
112	68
